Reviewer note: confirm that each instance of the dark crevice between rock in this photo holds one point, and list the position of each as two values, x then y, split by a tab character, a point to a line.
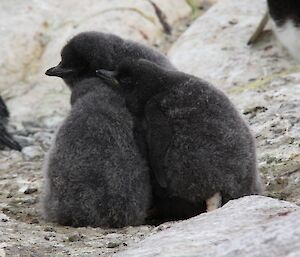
162	18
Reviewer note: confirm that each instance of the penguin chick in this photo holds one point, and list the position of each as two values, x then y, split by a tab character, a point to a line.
285	15
6	139
94	174
89	51
199	146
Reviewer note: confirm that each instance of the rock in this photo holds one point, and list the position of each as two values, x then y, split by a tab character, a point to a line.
3	218
8	159
30	190
21	44
31	152
263	81
207	48
113	244
74	237
4	166
252	226
37	32
2	251
49	229
44	138
24	141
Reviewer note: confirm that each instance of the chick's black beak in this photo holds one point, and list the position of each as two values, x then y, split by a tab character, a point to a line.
59	71
108	76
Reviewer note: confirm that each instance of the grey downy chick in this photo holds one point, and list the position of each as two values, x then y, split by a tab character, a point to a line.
200	149
6	139
94	174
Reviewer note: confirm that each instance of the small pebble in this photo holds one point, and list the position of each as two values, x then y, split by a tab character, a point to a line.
49	229
30	201
3	217
74	237
233	22
24	141
113	244
53	121
30	190
9	195
44	137
32	152
34	221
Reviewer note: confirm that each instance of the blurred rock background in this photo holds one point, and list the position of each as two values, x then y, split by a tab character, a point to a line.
33	33
204	38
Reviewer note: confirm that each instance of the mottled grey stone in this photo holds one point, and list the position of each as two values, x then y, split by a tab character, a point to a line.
253	226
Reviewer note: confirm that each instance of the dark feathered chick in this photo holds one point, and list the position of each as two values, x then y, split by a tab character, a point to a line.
200	149
94	173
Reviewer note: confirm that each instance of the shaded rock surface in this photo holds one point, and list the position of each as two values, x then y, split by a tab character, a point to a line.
252	226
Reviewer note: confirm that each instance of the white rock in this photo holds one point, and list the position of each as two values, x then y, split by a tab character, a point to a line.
215	46
21	39
252	226
32	35
4	218
32	152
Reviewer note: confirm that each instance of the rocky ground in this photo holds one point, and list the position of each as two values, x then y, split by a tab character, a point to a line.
263	81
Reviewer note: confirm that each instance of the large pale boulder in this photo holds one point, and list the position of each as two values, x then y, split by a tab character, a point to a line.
22	44
252	226
262	80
